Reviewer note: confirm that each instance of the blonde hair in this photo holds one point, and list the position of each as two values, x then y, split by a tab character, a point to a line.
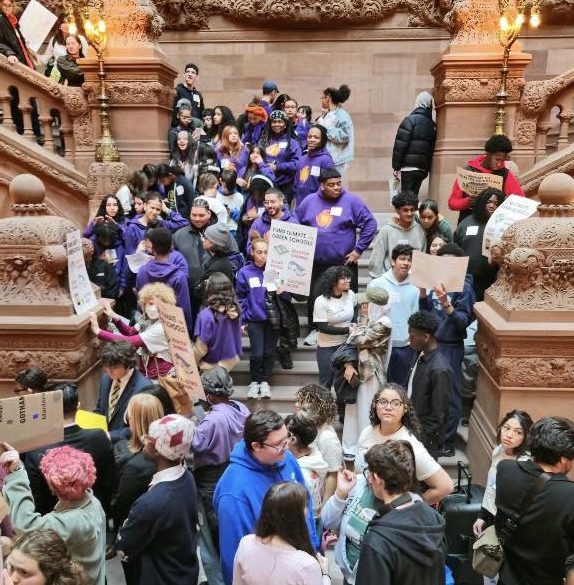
156	290
142	410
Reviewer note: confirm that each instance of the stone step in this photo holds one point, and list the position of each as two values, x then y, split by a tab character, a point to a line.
303	372
301	353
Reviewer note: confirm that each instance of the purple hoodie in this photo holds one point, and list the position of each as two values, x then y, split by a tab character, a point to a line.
240	161
308	170
263	224
250	296
252	134
337	222
302	128
134	231
117	248
285	153
172	276
219	431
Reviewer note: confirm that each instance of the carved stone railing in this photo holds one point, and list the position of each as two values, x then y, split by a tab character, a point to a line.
63	123
546	107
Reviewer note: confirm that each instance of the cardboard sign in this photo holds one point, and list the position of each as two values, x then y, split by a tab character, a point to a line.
31	421
473	183
181	350
81	290
512	210
429	271
36	23
290	257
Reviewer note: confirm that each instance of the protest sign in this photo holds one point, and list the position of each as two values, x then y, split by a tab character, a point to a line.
36	23
91	420
181	350
429	271
512	210
31	421
81	289
473	183
137	260
290	257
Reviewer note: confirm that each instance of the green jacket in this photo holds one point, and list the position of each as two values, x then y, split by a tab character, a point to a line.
82	524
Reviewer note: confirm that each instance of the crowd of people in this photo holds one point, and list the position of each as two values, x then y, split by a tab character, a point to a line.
263	496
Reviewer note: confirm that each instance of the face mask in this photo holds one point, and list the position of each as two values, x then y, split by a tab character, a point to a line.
152	312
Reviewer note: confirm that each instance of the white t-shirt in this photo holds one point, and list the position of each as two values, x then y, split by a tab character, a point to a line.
424	463
329	444
232	202
336	312
216	207
156	342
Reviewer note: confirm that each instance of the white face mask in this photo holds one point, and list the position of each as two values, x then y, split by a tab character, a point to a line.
152	312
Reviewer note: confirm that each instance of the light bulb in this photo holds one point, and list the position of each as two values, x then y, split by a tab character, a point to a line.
102	26
503	23
519	19
535	19
72	28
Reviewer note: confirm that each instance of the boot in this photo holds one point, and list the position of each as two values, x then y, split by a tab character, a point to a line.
285	359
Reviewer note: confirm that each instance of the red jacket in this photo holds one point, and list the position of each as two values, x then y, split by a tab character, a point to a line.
459	201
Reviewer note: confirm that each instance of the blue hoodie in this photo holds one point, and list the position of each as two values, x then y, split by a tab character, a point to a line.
171	275
117	249
337	222
308	171
452	328
239	496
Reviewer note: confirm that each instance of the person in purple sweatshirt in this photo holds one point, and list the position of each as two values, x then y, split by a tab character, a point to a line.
311	163
275	208
337	215
135	230
161	269
256	117
263	334
215	436
231	153
282	151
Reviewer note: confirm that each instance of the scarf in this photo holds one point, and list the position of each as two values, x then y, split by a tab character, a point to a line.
14	22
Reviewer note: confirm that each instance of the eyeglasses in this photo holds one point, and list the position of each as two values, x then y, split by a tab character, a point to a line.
283	445
394	404
366	473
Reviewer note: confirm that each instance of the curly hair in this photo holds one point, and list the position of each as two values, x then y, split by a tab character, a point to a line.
410	420
479	210
120	216
68	471
424	321
330	277
156	290
498	143
219	295
118	353
393	461
405	198
33	378
54	560
319	401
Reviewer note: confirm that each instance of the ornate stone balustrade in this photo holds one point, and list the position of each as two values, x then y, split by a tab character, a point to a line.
63	114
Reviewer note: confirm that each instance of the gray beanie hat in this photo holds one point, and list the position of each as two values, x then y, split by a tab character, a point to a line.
217	381
374	294
219	235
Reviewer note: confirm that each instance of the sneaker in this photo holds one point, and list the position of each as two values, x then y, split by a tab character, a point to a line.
311	339
265	390
446	452
253	391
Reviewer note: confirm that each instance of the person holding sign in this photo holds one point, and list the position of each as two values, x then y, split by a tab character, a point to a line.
12	43
469	235
497	148
57	43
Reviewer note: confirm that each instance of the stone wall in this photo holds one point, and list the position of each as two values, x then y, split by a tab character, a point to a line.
385	64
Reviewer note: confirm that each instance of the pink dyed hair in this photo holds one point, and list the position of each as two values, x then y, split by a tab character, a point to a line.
69	472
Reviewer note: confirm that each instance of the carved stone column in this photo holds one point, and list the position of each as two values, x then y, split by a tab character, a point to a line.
525	338
467	79
139	81
38	326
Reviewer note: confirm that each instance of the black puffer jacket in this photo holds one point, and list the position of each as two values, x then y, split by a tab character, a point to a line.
414	142
9	44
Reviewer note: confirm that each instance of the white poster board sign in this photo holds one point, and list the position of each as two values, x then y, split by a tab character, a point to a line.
473	183
290	257
81	289
36	23
512	210
429	271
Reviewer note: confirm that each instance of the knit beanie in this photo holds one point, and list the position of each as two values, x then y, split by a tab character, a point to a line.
218	234
279	115
217	381
172	436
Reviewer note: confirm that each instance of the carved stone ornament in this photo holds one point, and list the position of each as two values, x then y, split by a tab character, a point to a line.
32	253
536	255
130	92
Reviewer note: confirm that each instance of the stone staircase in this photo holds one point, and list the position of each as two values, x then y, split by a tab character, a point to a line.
285	383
